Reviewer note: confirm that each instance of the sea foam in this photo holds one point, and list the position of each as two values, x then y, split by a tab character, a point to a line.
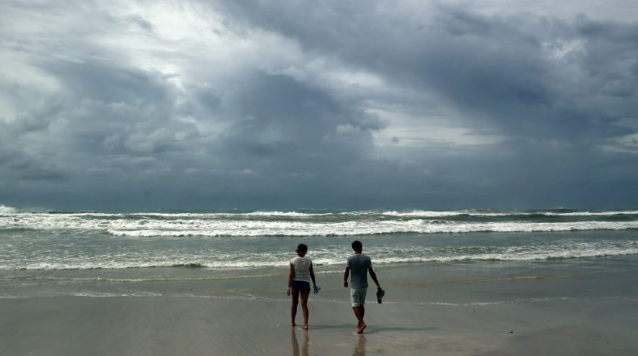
180	225
7	210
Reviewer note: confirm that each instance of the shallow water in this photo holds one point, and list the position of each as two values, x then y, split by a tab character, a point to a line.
221	253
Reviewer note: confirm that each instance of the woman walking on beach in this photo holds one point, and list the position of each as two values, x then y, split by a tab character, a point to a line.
299	278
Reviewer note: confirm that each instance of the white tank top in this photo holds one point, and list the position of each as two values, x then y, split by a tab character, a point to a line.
302	268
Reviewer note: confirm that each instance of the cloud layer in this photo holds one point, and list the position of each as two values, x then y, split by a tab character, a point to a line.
350	104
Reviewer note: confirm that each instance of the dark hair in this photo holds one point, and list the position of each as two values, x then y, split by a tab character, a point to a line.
301	248
357	245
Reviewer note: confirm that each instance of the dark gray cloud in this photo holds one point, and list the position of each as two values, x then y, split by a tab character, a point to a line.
354	104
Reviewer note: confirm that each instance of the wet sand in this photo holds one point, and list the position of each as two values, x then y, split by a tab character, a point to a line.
413	320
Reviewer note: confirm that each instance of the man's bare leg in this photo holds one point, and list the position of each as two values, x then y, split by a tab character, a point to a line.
359	312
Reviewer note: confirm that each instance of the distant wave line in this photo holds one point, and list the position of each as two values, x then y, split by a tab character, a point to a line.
200	227
7	211
504	256
354	229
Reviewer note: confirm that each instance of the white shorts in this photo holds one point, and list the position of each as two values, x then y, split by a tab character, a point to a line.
358	296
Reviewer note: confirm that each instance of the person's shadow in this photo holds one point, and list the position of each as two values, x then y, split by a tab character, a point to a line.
295	343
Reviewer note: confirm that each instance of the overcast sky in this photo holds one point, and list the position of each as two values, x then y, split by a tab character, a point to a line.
319	104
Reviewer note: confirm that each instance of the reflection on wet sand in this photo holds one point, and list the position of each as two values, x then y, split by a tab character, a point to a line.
295	343
360	349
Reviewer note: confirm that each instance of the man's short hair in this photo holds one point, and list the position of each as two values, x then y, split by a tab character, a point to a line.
357	245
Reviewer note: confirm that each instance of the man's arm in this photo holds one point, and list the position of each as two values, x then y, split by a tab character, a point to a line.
374	277
345	277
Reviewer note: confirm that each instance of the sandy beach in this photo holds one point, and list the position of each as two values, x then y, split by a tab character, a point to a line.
457	313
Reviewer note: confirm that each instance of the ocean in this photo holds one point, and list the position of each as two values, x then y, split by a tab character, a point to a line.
102	254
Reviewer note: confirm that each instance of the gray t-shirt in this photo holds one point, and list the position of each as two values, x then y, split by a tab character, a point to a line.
359	264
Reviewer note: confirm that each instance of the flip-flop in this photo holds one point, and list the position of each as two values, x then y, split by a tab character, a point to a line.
316	289
380	294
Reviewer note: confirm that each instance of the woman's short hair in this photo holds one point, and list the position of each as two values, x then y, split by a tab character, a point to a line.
302	248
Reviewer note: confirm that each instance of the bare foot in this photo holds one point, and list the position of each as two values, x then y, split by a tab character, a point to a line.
361	328
305	327
293	324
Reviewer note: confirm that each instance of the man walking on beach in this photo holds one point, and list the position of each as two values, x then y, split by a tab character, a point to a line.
360	264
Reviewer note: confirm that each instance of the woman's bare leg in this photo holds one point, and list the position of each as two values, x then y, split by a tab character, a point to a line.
293	306
304	307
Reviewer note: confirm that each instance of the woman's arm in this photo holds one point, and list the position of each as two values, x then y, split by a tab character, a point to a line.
291	275
312	275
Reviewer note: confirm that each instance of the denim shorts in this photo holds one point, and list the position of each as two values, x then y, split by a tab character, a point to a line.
300	285
358	296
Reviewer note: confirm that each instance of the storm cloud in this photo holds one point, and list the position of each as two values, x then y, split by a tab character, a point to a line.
345	104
